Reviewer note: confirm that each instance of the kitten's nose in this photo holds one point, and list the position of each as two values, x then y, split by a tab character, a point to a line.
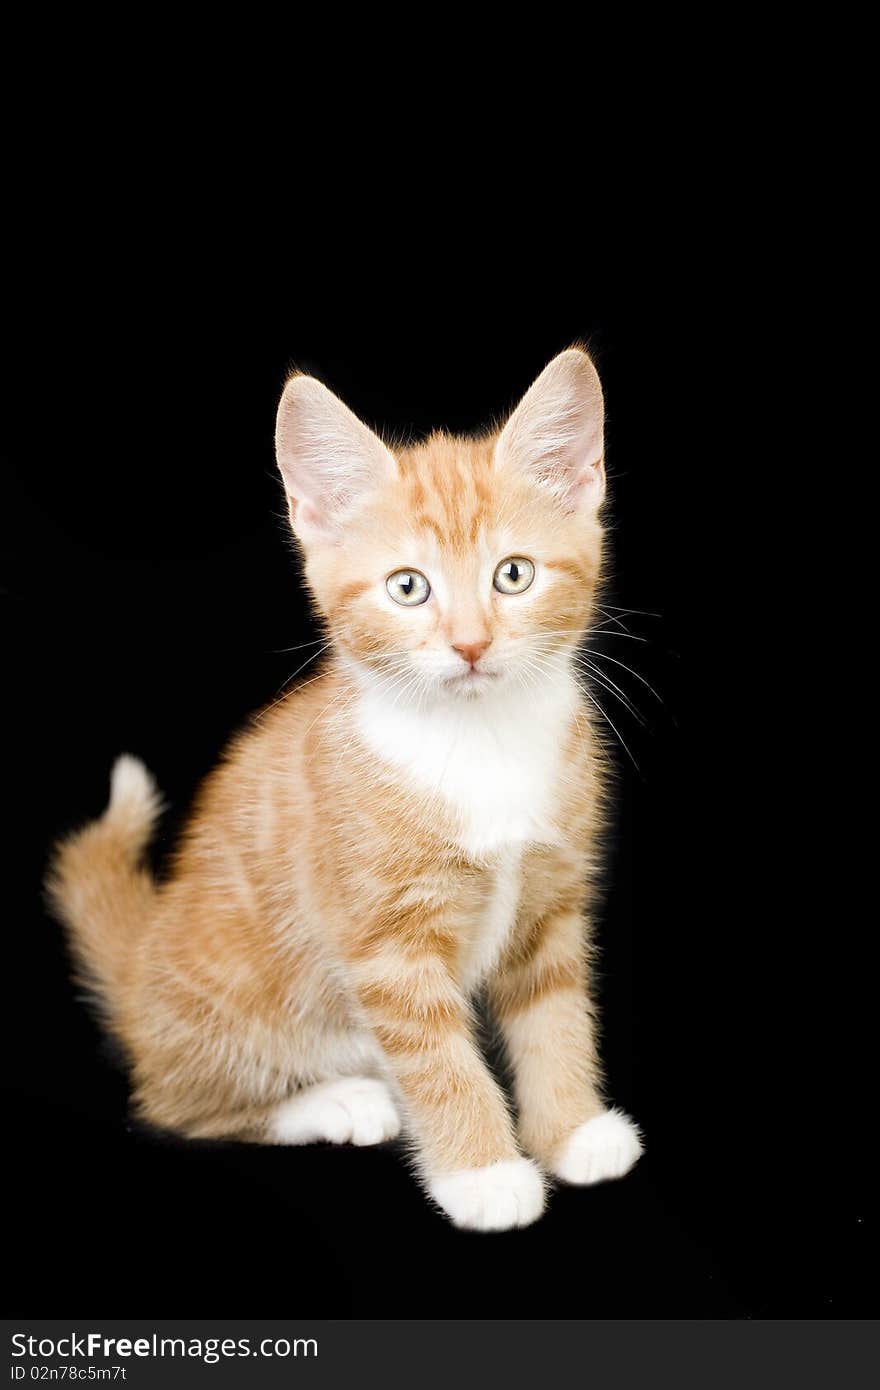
471	651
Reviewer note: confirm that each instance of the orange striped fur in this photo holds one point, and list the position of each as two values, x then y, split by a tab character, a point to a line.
399	835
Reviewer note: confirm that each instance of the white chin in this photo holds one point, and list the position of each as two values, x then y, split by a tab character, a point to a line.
470	684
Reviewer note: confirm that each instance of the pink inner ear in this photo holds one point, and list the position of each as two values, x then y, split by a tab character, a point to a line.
329	459
555	433
308	515
590	478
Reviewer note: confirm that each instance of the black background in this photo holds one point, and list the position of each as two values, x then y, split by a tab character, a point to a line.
148	593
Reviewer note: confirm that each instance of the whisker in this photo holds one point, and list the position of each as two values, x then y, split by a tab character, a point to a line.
614	727
605	632
608	684
278	651
610	617
605	682
603	656
641	612
282	691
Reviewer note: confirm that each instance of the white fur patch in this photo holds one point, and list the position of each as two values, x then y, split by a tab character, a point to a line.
132	787
603	1148
134	804
498	919
495	1198
356	1110
130	780
494	760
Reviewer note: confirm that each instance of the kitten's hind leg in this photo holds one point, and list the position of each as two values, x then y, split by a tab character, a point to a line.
352	1110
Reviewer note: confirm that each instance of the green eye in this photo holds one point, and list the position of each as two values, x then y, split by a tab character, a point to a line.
514	576
408	587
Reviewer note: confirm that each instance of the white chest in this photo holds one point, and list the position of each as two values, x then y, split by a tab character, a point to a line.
494	763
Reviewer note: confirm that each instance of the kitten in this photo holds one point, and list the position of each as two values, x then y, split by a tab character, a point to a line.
415	825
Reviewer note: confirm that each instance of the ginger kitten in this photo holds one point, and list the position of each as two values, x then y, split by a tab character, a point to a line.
414	826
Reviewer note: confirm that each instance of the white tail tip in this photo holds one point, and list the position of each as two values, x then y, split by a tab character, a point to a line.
133	792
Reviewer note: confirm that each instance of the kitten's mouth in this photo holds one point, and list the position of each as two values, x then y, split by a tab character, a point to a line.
471	681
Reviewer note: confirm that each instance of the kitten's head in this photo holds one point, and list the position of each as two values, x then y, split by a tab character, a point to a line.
458	565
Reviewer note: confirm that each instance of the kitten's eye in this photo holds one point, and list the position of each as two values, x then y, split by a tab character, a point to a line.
408	587
514	576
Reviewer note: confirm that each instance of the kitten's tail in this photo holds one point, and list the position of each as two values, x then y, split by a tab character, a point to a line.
96	883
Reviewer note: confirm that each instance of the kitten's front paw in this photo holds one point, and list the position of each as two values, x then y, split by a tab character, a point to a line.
602	1148
494	1198
354	1110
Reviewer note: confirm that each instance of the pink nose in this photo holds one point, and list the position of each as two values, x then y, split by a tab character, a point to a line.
471	651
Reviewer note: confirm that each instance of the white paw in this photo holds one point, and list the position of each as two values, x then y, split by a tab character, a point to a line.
354	1110
605	1147
494	1198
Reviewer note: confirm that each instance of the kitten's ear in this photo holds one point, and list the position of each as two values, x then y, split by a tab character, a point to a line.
556	433
329	459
